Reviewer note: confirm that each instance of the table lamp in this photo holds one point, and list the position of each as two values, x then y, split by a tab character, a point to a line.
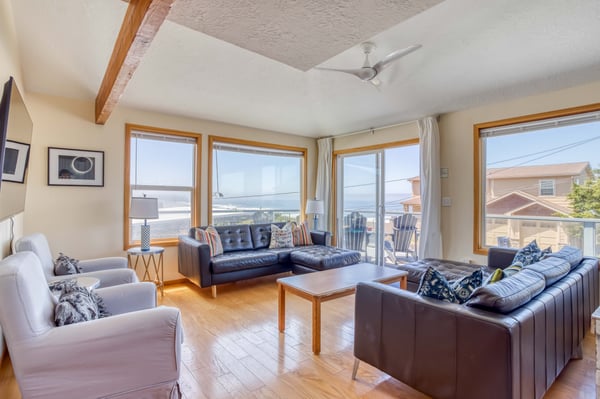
144	208
317	208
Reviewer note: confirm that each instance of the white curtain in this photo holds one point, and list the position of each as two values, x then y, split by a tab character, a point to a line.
430	240
323	187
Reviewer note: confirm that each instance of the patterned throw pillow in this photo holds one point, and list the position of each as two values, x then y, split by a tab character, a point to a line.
301	234
211	237
281	237
64	265
77	304
434	285
530	253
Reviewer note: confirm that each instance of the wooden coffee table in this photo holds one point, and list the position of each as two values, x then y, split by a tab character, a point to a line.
331	284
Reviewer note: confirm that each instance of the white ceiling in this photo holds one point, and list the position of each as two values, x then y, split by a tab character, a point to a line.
238	70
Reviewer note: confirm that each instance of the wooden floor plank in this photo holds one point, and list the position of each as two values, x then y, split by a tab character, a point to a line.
233	349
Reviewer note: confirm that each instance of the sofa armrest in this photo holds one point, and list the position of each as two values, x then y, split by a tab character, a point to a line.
102	357
319	237
194	261
434	346
499	257
128	297
93	265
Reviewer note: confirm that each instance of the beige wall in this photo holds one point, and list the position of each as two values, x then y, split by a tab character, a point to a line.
456	138
562	186
87	222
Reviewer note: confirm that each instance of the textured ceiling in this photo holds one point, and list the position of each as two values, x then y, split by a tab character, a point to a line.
473	53
301	34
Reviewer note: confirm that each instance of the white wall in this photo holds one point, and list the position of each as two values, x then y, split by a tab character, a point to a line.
457	151
87	222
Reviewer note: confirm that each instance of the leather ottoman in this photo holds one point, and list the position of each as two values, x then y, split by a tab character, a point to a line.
316	258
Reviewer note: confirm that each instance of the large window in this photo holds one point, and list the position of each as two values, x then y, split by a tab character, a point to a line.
537	178
162	164
255	182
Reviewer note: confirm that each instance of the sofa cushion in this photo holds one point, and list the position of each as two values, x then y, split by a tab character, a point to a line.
435	285
530	253
211	237
452	270
509	293
281	237
301	234
241	260
320	257
570	254
261	234
283	254
235	238
464	287
553	269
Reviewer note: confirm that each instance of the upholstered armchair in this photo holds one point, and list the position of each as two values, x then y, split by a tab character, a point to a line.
110	271
134	353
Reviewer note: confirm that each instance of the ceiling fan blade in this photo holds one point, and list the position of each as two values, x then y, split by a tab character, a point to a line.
361	73
387	60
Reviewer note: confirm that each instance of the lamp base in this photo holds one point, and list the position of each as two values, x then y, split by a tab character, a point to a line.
316	222
145	237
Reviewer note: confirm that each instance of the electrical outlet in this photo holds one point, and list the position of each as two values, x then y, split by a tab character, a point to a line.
446	201
444	173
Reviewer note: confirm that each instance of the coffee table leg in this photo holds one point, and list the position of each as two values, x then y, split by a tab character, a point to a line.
403	282
316	328
281	301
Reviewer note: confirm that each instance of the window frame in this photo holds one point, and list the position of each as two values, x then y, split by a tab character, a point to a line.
195	192
552	182
250	143
479	159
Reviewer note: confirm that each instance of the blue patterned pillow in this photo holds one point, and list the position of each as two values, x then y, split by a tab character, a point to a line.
530	253
464	287
434	285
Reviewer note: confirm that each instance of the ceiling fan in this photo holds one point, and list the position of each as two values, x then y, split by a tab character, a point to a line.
369	73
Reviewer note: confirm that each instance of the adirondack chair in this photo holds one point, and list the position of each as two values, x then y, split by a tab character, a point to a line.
404	227
355	231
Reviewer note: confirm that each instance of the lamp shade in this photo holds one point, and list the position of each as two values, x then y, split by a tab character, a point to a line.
315	207
143	208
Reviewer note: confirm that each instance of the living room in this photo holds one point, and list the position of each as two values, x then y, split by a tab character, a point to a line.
89	222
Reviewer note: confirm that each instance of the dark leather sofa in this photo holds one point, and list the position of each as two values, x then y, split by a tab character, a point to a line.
247	255
452	351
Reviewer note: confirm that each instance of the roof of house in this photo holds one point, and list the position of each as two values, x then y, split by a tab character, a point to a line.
516	202
558	169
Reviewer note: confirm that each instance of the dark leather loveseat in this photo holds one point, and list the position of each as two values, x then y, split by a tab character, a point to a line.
247	255
453	351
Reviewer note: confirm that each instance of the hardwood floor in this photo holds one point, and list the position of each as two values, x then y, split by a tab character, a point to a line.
233	349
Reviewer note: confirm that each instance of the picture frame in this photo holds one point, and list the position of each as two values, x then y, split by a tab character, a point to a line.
16	159
71	167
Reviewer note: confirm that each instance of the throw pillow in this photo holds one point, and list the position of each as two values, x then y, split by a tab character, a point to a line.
434	285
494	277
570	254
301	234
530	253
464	287
64	265
211	237
281	237
77	304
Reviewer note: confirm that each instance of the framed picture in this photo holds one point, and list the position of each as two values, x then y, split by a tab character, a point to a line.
68	167
16	158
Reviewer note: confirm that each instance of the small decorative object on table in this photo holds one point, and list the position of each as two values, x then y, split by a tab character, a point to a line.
148	259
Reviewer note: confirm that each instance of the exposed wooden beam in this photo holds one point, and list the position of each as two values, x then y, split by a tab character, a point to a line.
142	20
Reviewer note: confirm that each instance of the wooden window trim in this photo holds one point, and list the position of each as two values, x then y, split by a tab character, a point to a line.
478	246
229	140
195	211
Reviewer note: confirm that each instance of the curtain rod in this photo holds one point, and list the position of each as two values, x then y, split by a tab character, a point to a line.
372	129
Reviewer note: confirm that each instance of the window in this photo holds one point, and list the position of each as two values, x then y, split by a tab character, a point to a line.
538	173
162	164
546	187
255	182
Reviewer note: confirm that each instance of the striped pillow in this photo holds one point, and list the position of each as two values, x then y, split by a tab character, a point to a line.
301	234
211	237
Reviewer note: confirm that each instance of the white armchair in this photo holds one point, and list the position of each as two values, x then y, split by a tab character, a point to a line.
135	353
110	271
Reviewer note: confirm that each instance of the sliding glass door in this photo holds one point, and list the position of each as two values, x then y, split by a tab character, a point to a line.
378	202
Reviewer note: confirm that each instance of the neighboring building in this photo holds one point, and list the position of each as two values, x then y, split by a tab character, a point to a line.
413	204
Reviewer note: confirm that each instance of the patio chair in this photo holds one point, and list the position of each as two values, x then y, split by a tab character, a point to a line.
404	227
355	231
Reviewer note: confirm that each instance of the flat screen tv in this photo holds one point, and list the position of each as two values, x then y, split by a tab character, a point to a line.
15	138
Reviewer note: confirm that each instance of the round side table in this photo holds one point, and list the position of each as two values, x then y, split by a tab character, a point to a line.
152	260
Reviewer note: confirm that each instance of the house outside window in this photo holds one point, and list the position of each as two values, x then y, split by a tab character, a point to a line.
534	176
161	164
254	182
546	187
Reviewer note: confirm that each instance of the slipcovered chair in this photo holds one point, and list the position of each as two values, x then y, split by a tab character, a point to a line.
110	271
134	353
